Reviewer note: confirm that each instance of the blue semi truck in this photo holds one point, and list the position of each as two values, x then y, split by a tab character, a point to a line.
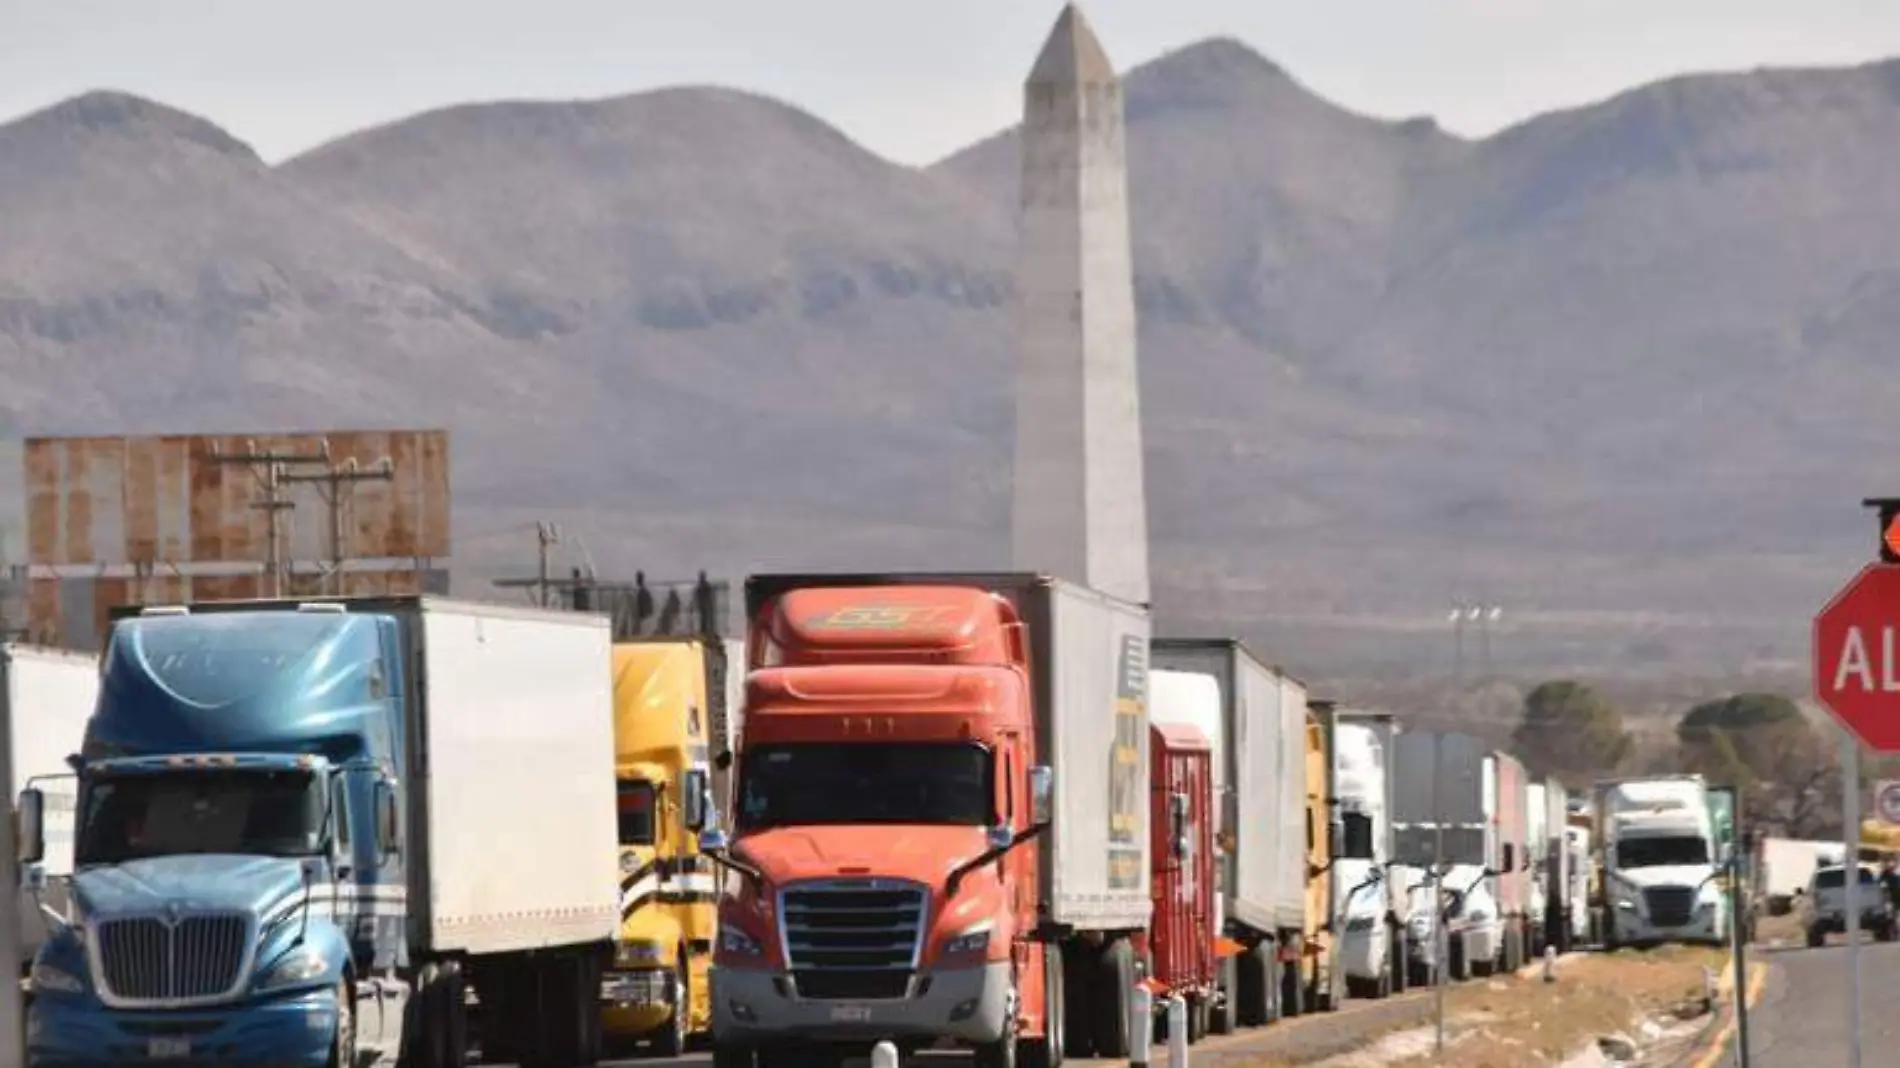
304	830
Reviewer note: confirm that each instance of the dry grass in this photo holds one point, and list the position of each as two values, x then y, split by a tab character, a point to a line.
1518	1022
1772	929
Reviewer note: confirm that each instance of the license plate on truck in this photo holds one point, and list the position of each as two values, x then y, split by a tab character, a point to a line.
851	1013
168	1049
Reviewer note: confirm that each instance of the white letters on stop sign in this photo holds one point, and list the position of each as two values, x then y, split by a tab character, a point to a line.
1854	662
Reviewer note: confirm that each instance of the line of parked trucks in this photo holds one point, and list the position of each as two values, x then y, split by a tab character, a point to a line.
933	808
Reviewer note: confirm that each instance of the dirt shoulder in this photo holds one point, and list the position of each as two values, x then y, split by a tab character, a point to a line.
1523	1022
1511	1022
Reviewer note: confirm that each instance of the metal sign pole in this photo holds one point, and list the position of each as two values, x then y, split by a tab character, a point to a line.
1441	923
12	1014
1738	939
1850	876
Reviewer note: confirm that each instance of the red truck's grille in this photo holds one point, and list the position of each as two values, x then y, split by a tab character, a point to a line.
853	938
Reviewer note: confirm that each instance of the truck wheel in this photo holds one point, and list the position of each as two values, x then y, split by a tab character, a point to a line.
1220	1015
1396	965
454	1005
1253	970
1198	1010
1000	1053
1293	985
1048	1051
725	1055
343	1041
1816	938
1078	979
1116	973
1459	969
670	1039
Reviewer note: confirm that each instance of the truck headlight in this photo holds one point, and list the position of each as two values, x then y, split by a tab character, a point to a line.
737	942
292	969
970	943
638	954
47	977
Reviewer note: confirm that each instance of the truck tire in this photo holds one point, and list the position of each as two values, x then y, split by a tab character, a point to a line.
454	1002
343	1038
1396	964
1458	968
1048	1051
1293	984
1078	995
1115	970
1000	1053
1221	1015
670	1039
1254	969
728	1055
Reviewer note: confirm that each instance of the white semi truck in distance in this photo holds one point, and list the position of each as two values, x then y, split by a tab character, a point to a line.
1375	892
1657	847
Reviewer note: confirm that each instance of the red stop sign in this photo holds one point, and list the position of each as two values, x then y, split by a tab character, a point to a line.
1857	657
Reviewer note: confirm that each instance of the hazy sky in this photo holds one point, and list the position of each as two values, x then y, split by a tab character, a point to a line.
912	80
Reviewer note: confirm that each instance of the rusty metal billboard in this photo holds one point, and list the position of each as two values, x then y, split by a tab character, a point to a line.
183	499
72	612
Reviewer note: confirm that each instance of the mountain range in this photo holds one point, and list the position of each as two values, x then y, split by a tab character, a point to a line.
1618	369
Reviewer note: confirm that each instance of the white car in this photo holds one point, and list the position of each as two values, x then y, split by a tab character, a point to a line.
1824	906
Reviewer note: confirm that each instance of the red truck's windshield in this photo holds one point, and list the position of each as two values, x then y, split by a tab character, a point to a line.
865	782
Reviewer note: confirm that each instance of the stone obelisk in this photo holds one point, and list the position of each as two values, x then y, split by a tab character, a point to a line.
1080	512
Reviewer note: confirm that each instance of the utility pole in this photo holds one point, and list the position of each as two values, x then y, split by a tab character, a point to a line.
546	536
269	469
331	483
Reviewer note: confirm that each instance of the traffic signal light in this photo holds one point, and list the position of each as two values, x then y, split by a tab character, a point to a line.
1889	510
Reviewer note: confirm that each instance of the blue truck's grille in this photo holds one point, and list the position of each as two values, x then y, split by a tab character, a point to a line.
853	938
160	961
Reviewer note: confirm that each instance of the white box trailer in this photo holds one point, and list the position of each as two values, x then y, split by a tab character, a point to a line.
46	696
1088	655
517	764
1264	798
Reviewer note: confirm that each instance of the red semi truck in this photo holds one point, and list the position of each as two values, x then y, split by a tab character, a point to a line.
940	827
1184	933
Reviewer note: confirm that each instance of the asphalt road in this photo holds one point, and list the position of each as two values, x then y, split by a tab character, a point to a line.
1801	1020
1303	1040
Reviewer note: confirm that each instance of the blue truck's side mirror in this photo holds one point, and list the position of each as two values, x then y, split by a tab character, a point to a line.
30	828
388	821
694	792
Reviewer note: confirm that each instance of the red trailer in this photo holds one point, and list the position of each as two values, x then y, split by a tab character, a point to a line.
1511	827
1182	938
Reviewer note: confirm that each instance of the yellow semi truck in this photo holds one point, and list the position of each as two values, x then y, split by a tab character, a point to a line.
1322	981
669	694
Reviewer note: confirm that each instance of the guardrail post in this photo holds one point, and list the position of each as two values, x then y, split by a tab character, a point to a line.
1177	1032
1141	1026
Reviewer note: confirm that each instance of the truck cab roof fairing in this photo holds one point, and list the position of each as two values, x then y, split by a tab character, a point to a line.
265	681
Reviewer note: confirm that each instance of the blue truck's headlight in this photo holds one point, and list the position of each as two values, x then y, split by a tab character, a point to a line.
292	969
47	977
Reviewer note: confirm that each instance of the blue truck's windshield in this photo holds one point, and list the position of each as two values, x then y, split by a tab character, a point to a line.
865	782
243	812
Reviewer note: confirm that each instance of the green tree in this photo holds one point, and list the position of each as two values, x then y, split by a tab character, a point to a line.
1570	731
1762	745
